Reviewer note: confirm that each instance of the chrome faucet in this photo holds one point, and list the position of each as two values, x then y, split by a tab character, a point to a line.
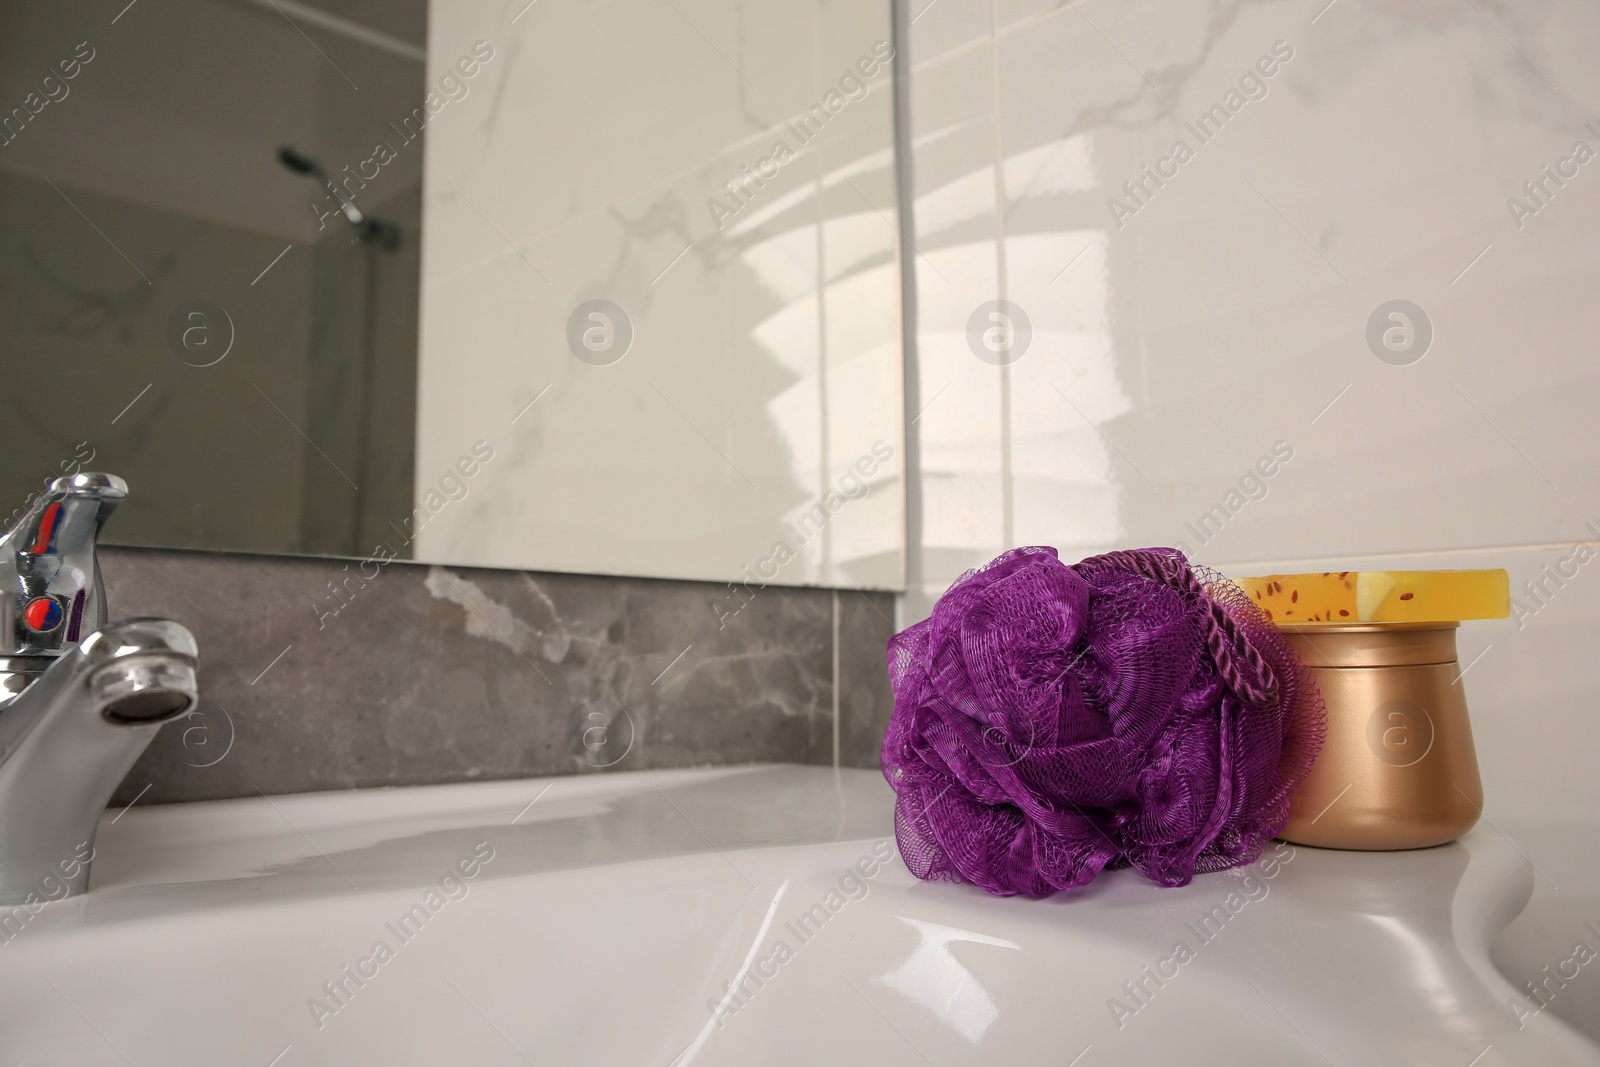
74	714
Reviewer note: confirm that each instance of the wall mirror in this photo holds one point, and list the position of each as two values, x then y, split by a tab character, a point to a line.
595	287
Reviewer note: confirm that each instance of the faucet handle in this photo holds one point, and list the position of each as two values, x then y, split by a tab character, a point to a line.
50	584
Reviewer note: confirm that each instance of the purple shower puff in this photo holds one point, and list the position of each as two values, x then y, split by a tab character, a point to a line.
1054	721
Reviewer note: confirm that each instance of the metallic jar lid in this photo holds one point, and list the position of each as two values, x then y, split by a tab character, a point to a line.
1380	644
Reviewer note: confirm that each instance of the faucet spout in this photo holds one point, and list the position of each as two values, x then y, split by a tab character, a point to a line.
71	736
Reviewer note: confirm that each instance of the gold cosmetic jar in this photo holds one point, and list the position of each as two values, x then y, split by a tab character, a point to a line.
1397	767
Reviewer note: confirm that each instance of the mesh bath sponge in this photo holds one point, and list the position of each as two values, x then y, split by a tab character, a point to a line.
1054	721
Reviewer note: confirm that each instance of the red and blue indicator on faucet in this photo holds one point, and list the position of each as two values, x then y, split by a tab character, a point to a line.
47	529
43	614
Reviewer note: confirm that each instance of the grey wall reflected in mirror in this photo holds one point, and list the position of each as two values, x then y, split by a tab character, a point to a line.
277	366
175	309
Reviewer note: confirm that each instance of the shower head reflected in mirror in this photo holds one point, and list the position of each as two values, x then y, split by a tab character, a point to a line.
375	231
300	164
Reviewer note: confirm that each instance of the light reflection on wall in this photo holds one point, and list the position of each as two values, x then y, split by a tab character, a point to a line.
1015	455
835	328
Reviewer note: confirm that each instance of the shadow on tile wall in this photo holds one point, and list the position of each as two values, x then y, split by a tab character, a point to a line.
315	676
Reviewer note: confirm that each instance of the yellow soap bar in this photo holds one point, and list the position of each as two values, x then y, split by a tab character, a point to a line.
1381	596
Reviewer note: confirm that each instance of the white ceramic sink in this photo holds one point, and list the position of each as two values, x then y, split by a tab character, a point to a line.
602	924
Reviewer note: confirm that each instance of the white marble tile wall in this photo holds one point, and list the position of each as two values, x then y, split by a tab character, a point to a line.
743	389
1205	212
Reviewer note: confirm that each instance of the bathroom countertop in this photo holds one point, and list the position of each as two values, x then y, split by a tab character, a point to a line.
747	915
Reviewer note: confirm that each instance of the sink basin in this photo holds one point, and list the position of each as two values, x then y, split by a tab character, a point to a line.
734	916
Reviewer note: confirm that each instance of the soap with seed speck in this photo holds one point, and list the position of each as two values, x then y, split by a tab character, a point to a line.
1381	596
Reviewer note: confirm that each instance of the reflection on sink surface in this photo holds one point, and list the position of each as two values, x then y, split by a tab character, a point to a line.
1551	952
751	915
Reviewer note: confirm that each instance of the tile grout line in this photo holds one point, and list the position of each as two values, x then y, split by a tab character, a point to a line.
1002	286
1312	563
824	429
835	679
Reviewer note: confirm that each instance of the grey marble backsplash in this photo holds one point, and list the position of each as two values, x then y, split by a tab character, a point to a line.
320	674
